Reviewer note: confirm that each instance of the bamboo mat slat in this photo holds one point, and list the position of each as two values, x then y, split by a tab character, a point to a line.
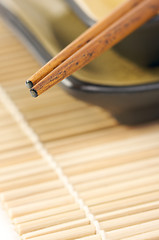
68	170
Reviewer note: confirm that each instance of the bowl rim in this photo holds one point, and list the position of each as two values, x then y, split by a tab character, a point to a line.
43	56
90	21
79	85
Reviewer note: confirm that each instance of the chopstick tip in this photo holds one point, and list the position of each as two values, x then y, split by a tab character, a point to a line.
33	93
29	84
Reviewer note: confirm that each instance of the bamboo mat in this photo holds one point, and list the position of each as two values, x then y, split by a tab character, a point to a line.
68	170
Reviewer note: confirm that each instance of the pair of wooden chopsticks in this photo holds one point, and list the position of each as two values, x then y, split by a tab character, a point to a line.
120	23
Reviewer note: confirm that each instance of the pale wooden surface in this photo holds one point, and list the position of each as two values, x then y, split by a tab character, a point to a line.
114	169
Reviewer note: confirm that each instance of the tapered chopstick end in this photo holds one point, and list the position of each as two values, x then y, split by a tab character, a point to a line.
29	84
33	93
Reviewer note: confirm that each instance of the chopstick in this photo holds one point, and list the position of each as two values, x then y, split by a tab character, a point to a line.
81	41
101	42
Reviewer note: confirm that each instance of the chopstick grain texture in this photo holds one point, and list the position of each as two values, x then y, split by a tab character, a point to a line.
102	42
81	41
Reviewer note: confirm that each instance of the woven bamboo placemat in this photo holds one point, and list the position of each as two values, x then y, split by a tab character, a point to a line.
68	170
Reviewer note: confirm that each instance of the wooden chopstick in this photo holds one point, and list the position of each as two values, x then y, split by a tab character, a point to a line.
81	41
102	42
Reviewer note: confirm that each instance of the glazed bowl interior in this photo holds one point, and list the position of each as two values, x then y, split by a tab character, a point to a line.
141	47
56	29
98	9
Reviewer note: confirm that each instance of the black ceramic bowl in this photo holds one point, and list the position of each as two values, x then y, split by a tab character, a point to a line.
131	104
142	46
